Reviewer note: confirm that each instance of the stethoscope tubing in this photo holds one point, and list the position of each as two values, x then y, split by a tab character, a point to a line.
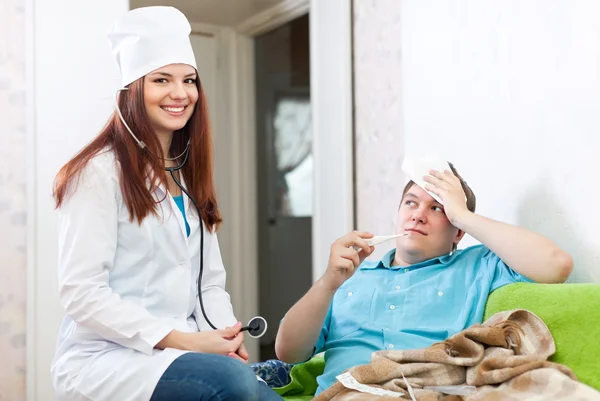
257	326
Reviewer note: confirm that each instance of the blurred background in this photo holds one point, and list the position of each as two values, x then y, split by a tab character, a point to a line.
313	106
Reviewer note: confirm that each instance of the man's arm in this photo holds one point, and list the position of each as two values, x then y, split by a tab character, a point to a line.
524	251
300	329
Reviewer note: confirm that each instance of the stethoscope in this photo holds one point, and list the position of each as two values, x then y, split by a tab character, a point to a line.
257	326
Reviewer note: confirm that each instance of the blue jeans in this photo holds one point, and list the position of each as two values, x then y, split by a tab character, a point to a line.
196	376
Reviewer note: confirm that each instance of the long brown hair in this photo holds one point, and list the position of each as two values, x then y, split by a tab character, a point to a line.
134	173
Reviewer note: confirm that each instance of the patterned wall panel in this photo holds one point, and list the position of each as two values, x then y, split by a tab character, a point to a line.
12	200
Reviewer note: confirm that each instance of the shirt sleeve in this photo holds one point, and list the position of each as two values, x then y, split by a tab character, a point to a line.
88	220
500	273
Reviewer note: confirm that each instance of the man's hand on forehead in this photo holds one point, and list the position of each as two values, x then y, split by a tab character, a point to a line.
448	188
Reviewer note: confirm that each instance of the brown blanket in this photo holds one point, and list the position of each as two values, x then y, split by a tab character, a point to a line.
505	359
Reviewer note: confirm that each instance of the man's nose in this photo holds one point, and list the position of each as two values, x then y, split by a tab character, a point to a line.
419	216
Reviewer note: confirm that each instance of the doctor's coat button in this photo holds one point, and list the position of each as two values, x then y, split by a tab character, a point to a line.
392	307
350	294
440	293
390	346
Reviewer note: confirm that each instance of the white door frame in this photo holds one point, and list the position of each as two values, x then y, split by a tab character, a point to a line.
331	99
331	94
274	17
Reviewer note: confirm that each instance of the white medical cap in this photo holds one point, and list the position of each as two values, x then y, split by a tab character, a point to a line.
149	38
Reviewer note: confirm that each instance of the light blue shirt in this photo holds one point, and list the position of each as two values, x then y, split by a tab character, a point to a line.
384	307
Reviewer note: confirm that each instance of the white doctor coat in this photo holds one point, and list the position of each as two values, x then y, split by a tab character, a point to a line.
125	286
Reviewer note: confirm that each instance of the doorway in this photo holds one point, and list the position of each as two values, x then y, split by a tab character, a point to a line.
284	171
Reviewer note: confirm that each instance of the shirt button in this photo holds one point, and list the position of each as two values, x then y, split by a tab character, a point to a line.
350	294
390	346
405	270
392	307
440	293
397	287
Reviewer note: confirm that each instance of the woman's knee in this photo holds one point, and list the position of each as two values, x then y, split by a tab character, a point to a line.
239	381
209	376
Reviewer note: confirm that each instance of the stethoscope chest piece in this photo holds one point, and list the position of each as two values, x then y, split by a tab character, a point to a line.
257	327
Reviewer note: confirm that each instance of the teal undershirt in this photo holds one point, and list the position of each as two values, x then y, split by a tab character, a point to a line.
179	201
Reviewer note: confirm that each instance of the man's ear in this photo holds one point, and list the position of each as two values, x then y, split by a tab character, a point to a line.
459	236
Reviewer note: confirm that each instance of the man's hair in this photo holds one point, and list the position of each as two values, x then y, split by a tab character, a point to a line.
471	201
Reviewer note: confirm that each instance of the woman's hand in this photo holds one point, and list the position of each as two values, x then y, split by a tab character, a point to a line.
241	354
221	342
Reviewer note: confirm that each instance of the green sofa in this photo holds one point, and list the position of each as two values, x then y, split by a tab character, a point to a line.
571	312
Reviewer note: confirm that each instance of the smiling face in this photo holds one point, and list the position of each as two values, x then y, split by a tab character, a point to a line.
430	233
170	96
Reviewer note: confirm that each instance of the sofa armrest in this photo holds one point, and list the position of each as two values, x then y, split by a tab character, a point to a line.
571	312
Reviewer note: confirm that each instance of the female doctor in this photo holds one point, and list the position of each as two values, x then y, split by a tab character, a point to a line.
130	240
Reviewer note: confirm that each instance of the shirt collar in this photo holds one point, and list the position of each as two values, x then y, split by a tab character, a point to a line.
387	260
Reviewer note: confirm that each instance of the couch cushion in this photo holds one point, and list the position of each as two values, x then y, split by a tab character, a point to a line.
571	312
303	383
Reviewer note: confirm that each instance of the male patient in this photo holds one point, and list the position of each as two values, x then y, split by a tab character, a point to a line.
423	291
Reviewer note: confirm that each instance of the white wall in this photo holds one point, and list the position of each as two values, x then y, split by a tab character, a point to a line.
378	112
331	100
510	91
74	81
